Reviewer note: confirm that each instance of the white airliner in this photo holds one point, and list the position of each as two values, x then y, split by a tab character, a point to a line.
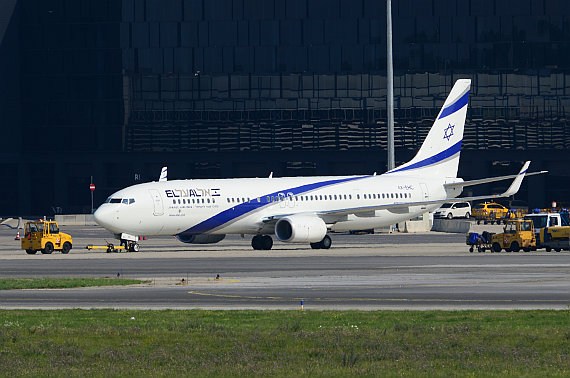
302	209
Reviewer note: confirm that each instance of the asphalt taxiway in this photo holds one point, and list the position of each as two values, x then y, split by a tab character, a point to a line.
381	271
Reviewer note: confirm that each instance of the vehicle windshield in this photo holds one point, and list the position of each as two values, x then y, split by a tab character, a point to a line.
539	221
446	205
526	226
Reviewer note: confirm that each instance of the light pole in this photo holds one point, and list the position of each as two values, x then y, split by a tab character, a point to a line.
390	85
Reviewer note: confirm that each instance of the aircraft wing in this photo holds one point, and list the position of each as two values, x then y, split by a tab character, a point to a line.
402	206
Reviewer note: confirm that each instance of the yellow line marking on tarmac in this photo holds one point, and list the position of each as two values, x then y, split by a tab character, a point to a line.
212	282
378	299
234	296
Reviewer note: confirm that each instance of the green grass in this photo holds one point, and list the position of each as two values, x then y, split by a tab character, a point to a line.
61	283
284	343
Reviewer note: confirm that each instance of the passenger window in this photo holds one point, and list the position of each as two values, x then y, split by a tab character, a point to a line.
208	200
174	202
228	200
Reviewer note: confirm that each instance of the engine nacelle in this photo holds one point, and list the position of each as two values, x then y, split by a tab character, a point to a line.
300	229
200	239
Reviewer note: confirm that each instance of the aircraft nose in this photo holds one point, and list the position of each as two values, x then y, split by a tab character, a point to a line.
104	217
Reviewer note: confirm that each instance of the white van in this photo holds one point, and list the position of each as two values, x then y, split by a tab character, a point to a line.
452	210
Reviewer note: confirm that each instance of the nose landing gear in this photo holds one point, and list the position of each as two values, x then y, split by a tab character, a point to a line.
130	246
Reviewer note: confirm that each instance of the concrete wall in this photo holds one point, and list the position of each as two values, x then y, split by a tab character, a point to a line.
75	220
455	226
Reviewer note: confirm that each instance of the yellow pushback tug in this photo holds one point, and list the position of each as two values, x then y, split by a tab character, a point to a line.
45	237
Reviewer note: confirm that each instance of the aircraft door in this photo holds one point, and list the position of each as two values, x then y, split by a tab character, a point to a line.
425	192
157	202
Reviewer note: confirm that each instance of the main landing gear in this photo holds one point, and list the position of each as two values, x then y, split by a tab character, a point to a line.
262	242
323	244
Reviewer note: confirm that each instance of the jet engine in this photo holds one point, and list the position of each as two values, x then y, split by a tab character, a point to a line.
300	228
200	239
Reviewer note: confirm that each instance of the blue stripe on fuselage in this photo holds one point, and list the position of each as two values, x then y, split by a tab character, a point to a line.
456	148
463	100
250	206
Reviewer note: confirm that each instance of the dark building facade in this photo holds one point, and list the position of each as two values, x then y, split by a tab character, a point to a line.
115	89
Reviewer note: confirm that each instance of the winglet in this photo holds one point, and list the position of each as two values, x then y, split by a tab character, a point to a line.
515	186
163	174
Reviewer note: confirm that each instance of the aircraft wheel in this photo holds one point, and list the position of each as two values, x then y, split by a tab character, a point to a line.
266	242
326	242
255	243
48	249
323	244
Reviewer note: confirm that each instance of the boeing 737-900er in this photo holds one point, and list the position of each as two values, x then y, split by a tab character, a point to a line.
302	209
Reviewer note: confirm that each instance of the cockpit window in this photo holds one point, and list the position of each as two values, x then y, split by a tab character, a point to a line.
126	201
131	200
115	200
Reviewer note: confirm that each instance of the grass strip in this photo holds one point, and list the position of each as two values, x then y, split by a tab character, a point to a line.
61	283
284	343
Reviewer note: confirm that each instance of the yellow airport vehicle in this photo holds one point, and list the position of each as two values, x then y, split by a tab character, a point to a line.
489	212
517	234
45	236
557	238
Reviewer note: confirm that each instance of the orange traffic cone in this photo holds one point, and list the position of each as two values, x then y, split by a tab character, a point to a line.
17	235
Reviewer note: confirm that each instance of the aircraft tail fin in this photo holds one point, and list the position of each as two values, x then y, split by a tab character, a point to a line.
439	153
163	174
